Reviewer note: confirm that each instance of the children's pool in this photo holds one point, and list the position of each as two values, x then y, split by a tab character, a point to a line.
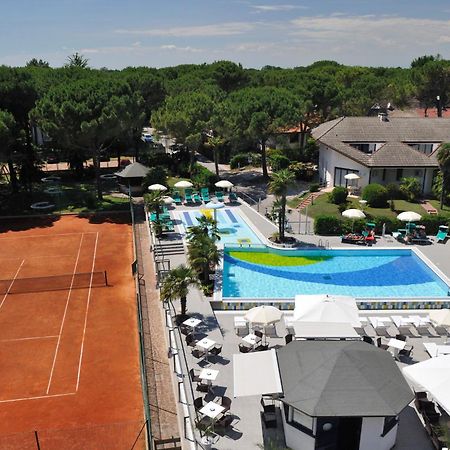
270	273
232	227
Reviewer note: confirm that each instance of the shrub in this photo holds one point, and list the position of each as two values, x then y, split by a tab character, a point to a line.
376	195
328	226
278	162
156	175
303	171
411	188
394	192
314	187
202	177
338	195
390	224
245	159
432	223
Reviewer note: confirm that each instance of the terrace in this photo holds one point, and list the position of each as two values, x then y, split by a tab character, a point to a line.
248	429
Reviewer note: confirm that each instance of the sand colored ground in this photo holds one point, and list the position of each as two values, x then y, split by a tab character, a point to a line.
69	358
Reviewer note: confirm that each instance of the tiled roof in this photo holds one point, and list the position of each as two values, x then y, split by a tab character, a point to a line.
395	133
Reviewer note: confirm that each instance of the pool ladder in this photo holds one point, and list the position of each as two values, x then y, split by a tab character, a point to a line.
325	245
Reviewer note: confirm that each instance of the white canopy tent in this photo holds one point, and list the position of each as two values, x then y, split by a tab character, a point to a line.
326	308
432	376
247	370
324	330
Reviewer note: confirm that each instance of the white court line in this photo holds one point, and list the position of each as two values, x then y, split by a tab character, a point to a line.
37	397
28	338
10	286
46	235
64	315
86	314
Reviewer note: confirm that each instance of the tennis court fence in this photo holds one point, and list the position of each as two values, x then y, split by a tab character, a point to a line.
54	282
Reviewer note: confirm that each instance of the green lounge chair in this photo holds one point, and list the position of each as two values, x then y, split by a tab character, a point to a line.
204	192
197	198
176	198
188	196
219	195
232	197
442	234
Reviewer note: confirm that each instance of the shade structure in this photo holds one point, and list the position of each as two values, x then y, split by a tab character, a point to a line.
353	214
167	200
224	184
326	308
440	317
352	176
432	376
324	330
157	187
183	184
247	370
263	315
409	216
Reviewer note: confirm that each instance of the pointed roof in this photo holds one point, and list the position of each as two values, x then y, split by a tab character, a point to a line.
342	379
135	170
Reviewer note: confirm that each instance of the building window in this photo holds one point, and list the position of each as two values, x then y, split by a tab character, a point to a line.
365	147
424	147
339	176
299	420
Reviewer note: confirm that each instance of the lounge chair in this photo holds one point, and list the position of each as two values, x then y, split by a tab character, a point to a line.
204	192
188	196
232	197
353	238
442	234
219	195
176	198
197	198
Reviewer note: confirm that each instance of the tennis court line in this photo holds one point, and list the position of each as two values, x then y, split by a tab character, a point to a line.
37	397
46	235
28	338
12	282
64	315
86	314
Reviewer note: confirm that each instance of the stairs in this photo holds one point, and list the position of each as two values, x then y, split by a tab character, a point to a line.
163	249
308	200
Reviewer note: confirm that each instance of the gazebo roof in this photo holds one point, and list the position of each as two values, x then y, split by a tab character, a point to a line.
135	170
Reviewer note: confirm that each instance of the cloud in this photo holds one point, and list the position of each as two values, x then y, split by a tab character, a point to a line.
273	8
220	29
180	49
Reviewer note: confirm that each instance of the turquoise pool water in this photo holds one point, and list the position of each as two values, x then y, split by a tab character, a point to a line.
232	227
359	273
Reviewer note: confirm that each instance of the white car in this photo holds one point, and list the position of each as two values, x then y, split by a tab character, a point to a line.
147	137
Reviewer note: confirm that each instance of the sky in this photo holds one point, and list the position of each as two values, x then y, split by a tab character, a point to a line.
254	33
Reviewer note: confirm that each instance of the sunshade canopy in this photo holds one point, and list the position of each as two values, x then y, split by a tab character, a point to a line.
352	176
135	170
183	184
342	379
263	315
167	200
224	184
247	370
157	187
432	376
440	317
212	205
409	216
324	330
326	308
353	214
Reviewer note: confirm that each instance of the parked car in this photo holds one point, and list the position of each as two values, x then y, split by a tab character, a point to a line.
147	137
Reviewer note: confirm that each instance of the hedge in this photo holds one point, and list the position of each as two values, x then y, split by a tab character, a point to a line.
328	226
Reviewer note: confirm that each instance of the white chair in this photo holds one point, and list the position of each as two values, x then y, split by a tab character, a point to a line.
240	326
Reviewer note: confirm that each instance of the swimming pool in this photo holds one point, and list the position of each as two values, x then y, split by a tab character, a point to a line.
232	227
277	274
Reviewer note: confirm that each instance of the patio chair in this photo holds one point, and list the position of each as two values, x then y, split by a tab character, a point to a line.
194	378
244	349
426	330
190	340
240	324
198	403
196	353
258	334
232	197
196	197
184	329
225	402
289	338
442	234
219	195
216	350
442	331
401	337
381	345
224	422
202	387
176	198
407	352
188	196
368	339
262	347
204	193
408	330
268	408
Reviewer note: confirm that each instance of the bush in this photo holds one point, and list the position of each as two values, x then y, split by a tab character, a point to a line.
278	162
202	177
314	187
338	195
156	175
432	223
390	224
411	188
376	195
328	226
239	160
394	192
303	171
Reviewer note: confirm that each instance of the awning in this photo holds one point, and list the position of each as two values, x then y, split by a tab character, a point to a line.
256	374
324	330
432	376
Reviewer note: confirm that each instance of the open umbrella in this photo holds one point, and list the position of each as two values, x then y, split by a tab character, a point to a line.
353	214
167	200
214	206
263	315
409	216
183	184
157	187
224	184
440	317
352	176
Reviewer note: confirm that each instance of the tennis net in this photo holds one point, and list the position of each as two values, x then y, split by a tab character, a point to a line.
54	282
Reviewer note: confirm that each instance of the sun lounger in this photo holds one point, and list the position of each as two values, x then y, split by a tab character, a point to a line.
188	196
219	195
204	192
442	234
352	238
176	198
232	197
197	198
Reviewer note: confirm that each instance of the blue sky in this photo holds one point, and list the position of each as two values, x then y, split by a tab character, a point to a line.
120	33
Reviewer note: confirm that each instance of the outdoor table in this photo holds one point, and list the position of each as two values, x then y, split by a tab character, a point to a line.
205	345
396	345
192	322
251	339
435	350
212	410
209	375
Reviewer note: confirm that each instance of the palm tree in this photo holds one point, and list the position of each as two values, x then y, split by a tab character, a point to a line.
278	185
176	285
209	226
203	255
443	158
216	143
154	202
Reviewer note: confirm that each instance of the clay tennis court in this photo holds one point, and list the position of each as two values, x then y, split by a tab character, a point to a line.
69	355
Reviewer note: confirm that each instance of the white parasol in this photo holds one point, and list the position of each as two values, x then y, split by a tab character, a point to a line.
183	184
353	214
224	184
157	187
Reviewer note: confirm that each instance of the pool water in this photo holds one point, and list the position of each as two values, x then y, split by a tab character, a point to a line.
232	227
269	273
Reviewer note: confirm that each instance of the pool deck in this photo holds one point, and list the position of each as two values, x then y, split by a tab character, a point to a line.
248	432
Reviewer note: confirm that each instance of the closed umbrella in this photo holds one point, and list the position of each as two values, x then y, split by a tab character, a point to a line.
224	184
214	206
440	317
157	187
183	184
353	214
